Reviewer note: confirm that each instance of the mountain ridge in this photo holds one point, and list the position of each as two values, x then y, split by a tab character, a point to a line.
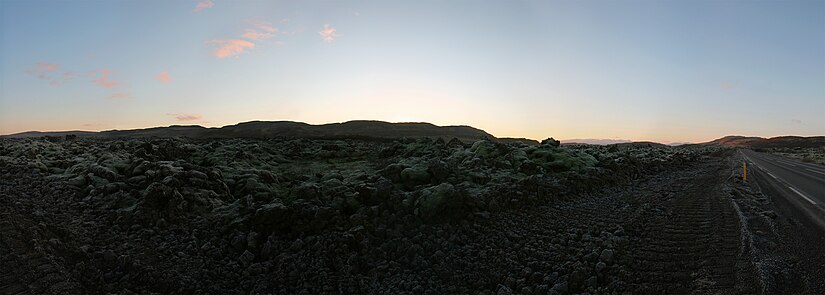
383	130
264	129
772	142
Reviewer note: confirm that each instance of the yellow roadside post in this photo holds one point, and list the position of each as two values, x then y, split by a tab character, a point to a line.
744	171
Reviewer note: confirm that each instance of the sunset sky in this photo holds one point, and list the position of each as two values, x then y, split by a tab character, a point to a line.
642	70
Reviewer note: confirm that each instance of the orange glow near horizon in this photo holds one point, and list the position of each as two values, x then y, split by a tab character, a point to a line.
537	69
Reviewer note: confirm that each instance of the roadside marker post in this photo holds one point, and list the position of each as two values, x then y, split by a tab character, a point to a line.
744	171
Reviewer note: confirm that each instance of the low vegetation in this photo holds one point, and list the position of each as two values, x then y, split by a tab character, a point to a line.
173	178
808	155
288	208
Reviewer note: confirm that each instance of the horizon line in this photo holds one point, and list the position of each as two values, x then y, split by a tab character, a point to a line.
569	140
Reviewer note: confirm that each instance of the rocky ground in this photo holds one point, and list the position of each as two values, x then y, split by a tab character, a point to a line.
404	216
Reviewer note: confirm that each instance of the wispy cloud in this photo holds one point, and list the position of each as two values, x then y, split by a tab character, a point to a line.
204	5
253	34
796	121
262	31
266	27
187	117
328	33
232	47
727	85
120	95
67	75
44	67
164	77
48	72
105	80
259	33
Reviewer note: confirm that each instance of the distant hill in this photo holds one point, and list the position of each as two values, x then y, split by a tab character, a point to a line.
56	133
773	142
289	129
380	129
171	131
678	143
638	144
595	141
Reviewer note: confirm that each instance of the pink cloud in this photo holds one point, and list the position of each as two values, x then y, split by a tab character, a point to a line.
252	34
262	31
266	27
105	81
204	5
47	67
328	34
187	117
164	77
727	85
233	47
45	71
120	95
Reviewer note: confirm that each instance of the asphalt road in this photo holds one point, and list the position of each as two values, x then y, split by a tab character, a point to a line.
801	184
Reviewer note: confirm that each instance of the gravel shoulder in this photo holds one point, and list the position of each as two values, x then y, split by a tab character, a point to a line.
786	245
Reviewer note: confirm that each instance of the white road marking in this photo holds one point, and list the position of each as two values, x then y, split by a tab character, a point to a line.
812	170
803	195
790	187
815	168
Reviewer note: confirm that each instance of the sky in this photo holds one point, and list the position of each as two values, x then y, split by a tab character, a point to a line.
667	71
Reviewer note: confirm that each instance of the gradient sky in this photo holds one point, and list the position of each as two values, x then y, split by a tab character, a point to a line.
641	70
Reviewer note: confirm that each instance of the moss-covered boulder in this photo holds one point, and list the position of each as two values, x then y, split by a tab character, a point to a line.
438	202
486	149
554	159
274	216
415	175
551	142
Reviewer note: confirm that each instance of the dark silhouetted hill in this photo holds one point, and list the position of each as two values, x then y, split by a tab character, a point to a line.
594	141
49	133
288	129
641	144
773	142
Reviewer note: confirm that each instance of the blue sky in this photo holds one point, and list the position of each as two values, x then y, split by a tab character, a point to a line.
641	70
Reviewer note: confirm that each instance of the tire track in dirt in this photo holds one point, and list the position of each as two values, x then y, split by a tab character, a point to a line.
695	246
684	237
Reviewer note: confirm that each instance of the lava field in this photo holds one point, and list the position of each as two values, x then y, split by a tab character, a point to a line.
405	216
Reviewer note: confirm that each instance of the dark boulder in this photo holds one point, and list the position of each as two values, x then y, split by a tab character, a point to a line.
551	142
